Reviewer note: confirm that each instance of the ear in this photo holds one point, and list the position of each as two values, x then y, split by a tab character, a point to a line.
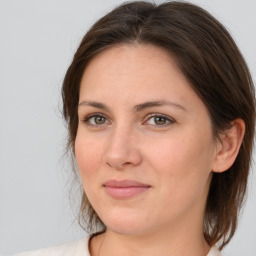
228	147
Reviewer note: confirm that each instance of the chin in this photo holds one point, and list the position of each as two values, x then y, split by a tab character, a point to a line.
127	230
125	223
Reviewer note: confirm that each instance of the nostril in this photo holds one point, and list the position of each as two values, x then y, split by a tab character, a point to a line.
118	166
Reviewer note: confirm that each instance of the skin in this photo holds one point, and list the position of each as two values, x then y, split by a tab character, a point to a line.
174	155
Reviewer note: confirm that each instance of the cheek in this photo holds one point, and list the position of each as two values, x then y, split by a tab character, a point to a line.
88	156
191	150
184	160
170	153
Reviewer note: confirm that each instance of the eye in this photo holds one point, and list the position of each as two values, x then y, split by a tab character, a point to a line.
159	120
95	120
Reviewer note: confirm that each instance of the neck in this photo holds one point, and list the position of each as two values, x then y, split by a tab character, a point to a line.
165	243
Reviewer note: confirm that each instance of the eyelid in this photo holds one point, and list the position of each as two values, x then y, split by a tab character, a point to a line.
89	116
168	118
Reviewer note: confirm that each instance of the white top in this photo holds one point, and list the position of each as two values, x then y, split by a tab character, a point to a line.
79	248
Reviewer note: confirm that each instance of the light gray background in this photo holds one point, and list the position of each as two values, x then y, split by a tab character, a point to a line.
37	41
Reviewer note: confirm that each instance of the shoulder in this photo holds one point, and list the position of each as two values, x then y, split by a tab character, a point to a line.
214	252
74	248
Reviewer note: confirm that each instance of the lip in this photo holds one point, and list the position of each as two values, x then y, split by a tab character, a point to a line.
124	189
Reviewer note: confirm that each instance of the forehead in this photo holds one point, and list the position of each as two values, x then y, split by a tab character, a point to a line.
125	76
130	74
128	53
126	64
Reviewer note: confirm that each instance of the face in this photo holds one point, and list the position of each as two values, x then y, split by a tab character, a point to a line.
144	144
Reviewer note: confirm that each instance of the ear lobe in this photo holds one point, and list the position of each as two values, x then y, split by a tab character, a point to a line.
228	146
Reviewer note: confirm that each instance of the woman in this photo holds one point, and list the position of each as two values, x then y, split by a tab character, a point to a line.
160	108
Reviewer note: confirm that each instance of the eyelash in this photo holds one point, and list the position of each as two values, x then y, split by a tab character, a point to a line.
167	119
87	119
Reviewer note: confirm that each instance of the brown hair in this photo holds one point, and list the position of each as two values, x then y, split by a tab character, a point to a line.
216	70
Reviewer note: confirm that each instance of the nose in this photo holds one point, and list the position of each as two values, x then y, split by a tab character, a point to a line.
122	149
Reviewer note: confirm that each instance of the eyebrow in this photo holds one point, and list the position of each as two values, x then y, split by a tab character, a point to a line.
157	103
137	108
94	104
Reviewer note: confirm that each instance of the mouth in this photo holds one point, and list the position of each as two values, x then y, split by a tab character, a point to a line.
124	189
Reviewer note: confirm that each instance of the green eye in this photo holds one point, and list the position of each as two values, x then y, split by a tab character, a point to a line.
99	120
159	120
95	120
